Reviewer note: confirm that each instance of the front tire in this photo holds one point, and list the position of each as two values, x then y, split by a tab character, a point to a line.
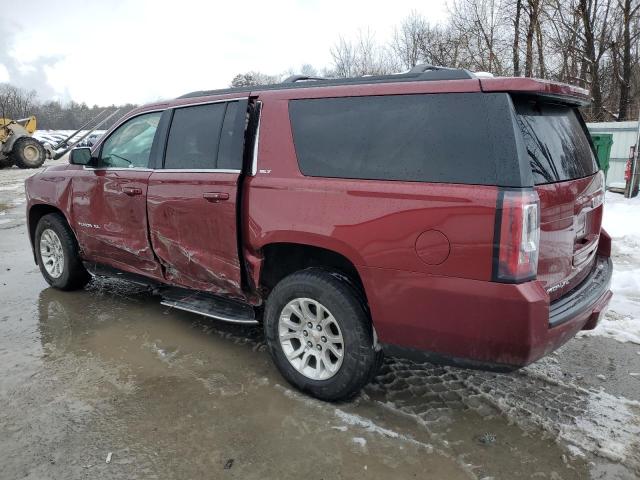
28	152
5	162
319	335
58	254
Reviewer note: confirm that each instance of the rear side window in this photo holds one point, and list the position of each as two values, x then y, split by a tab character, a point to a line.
200	137
226	159
556	142
453	138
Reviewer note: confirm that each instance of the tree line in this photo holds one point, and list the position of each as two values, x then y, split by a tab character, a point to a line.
594	44
17	103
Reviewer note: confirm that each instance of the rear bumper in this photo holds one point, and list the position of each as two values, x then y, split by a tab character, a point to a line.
590	297
480	324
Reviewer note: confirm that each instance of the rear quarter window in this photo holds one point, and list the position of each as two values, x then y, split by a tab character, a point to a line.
556	141
452	138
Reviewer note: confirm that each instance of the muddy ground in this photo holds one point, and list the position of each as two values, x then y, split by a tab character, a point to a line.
109	372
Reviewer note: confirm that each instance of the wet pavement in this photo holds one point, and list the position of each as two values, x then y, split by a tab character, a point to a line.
109	372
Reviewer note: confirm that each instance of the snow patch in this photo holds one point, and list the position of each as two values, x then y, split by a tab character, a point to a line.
608	427
357	420
359	441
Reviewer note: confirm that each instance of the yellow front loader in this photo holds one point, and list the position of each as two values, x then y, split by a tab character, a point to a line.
17	146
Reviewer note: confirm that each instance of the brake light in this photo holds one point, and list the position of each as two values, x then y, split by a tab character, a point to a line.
516	236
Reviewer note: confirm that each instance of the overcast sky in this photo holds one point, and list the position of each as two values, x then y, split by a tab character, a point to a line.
117	51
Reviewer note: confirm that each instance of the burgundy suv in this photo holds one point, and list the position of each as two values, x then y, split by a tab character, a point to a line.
433	214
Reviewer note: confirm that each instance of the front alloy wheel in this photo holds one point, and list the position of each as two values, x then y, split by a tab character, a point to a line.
51	253
57	253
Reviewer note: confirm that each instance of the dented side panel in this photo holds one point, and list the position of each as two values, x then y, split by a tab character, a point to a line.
109	216
194	235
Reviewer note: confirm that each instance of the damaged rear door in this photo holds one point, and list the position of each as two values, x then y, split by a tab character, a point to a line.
192	200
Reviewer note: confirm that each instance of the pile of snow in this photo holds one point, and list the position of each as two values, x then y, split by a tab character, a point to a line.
622	222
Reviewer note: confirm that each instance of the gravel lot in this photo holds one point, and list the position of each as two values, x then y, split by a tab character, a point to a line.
109	374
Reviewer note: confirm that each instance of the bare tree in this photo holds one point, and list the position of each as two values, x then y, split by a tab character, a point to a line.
252	78
364	56
344	58
16	102
481	29
622	46
533	27
516	39
596	32
585	30
409	39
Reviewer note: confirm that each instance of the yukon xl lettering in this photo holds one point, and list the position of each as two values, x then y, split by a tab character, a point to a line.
432	214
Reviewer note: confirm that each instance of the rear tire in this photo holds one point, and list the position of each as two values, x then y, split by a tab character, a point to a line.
345	329
58	256
27	152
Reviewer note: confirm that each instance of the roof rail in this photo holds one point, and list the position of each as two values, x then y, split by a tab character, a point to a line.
445	73
423	67
299	78
418	73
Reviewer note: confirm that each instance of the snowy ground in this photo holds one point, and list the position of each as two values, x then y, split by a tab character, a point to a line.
622	221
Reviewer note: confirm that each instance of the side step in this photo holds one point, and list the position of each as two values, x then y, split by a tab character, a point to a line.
208	305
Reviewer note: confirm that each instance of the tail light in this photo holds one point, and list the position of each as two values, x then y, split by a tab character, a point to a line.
516	236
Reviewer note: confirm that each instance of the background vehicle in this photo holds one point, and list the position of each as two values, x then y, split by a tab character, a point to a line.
434	214
17	146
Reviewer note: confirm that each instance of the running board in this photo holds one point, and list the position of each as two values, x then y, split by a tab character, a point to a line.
208	305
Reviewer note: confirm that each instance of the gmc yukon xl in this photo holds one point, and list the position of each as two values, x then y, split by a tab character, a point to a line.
435	214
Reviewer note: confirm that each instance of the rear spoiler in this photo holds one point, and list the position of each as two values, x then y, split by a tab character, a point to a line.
557	91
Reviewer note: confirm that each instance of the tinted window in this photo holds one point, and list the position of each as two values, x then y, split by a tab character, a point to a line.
129	145
557	145
458	138
194	136
226	158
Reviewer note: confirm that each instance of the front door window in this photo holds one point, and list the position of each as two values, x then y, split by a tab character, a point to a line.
129	146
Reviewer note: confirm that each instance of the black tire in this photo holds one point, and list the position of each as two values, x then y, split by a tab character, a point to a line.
73	276
341	299
27	152
6	162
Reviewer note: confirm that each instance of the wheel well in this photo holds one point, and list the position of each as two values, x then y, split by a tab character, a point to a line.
35	214
282	259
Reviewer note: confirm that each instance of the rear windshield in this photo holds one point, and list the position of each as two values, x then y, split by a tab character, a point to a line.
556	142
453	138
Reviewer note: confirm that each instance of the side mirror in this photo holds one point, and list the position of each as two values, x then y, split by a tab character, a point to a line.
80	156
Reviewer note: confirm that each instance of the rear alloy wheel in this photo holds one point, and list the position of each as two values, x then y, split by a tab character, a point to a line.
28	152
319	335
311	338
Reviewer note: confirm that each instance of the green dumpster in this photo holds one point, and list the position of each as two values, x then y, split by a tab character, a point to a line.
603	142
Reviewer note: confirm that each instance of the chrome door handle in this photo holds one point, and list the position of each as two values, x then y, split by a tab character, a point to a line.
131	191
215	197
